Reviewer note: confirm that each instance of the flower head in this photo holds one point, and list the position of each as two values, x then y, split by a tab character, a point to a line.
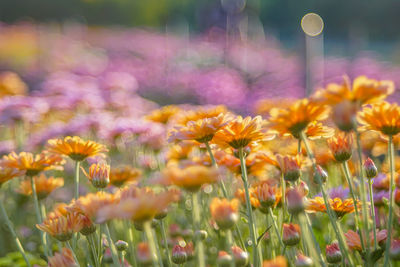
163	115
75	148
341	146
295	119
11	84
9	173
179	255
370	169
289	166
291	234
395	249
354	243
44	186
61	226
339	206
239	133
91	203
225	212
266	194
333	253
32	164
65	258
382	117
99	174
124	174
279	261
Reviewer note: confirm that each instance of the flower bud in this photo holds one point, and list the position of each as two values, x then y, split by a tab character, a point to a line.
88	226
143	254
395	250
187	233
344	114
174	230
320	175
240	257
291	234
303	261
303	188
99	174
200	235
266	194
225	212
340	147
224	259
290	167
333	253
121	245
295	201
189	251
161	215
370	169
179	255
107	257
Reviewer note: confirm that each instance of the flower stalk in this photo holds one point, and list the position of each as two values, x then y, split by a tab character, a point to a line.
152	244
391	200
114	253
76	181
196	221
165	240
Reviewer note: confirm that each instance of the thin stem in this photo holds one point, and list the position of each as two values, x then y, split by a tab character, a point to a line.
313	245
283	200
152	244
229	243
256	260
371	199
77	170
331	214
132	243
196	221
392	187
278	235
11	228
165	240
350	183
114	253
68	245
93	249
160	261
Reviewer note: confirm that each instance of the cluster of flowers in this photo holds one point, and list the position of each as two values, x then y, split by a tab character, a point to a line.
232	191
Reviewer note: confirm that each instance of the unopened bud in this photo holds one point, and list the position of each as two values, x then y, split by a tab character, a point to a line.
224	259
121	245
333	253
370	169
291	234
295	201
200	235
240	257
320	175
303	261
179	255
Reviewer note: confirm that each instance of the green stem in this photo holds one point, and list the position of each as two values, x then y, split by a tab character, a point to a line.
158	249
93	249
256	260
283	200
331	214
68	245
132	243
114	253
392	188
350	183
196	221
152	244
11	228
76	181
371	197
165	240
304	219
278	235
229	243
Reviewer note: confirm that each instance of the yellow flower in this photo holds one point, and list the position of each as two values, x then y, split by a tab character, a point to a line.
382	117
295	119
341	146
239	133
99	174
340	207
44	186
124	174
11	84
254	201
140	205
354	242
190	178
75	147
164	114
264	106
316	130
32	164
225	212
60	226
180	151
91	203
8	174
199	113
202	130
363	91
63	259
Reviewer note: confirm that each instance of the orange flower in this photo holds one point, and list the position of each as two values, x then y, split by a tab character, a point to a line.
63	259
190	178
295	119
142	205
200	113
11	84
341	146
99	174
225	212
289	166
264	106
124	174
266	194
32	164
44	186
60	226
291	234
164	114
75	147
354	243
239	133
240	194
9	173
180	151
202	130
90	204
382	117
316	130
340	207
279	261
363	91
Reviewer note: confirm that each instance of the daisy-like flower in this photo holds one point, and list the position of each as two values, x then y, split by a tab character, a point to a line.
339	206
75	148
316	130
341	146
363	91
354	243
44	186
163	115
61	226
224	212
254	201
264	106
266	194
98	175
239	133
63	259
202	130
32	164
142	205
180	151
124	174
90	204
295	119
289	166
381	117
190	178
200	113
9	173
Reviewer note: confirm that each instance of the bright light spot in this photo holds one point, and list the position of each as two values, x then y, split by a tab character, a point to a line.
312	24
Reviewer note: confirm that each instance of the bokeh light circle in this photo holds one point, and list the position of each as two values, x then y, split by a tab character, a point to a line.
312	24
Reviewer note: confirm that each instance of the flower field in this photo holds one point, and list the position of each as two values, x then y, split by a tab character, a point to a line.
135	148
